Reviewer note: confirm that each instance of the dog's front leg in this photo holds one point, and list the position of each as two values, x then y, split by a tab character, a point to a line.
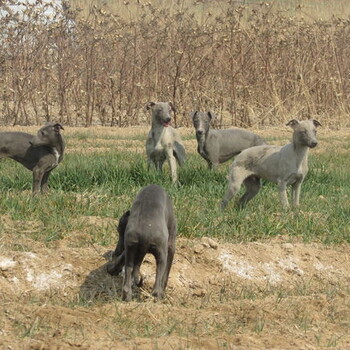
282	189
296	192
38	174
172	162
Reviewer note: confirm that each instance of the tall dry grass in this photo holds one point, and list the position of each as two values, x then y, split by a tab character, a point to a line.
319	9
252	65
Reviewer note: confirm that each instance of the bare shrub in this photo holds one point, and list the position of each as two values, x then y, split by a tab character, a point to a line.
253	66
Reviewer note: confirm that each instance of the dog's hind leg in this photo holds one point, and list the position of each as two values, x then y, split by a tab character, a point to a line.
235	180
159	165
179	152
172	163
137	277
130	253
252	185
171	252
161	262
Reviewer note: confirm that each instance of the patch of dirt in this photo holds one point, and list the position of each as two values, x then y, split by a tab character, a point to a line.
280	294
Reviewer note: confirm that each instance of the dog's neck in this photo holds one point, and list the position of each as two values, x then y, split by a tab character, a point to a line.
301	153
202	141
157	128
158	131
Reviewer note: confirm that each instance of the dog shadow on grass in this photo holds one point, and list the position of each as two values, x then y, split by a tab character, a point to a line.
101	287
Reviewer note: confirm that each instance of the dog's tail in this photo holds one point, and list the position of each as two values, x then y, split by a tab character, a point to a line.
179	153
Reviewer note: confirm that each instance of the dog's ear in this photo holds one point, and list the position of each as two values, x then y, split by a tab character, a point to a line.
293	123
211	115
193	114
150	105
172	106
58	127
316	123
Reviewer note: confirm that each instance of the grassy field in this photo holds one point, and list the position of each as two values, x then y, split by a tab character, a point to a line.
103	171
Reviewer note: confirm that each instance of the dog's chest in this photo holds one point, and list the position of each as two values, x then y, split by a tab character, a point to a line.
162	139
297	173
202	150
56	154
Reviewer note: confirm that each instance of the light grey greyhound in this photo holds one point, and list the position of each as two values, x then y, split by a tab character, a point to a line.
284	166
218	146
40	153
163	141
149	227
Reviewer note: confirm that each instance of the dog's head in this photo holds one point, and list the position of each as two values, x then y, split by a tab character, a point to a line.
48	135
201	121
161	112
305	131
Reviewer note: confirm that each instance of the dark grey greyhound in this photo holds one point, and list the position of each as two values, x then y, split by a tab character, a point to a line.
218	146
40	153
149	227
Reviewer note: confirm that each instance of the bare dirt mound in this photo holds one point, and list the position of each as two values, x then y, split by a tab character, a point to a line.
273	295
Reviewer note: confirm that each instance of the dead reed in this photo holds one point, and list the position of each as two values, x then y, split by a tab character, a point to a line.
252	66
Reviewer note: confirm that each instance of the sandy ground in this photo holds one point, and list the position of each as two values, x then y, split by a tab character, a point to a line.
279	294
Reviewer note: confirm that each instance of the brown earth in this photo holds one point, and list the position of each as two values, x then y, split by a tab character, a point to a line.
278	294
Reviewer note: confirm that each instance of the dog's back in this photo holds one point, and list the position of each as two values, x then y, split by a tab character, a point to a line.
14	143
233	141
151	215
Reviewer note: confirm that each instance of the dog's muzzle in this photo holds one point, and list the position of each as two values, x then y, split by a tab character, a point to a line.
166	122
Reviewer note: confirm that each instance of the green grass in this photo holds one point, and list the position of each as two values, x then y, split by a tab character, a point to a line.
105	184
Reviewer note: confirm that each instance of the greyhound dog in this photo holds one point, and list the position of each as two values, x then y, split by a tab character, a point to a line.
149	227
40	153
163	141
284	166
218	146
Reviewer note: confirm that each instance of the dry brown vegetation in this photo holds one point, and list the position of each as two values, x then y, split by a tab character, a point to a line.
251	65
